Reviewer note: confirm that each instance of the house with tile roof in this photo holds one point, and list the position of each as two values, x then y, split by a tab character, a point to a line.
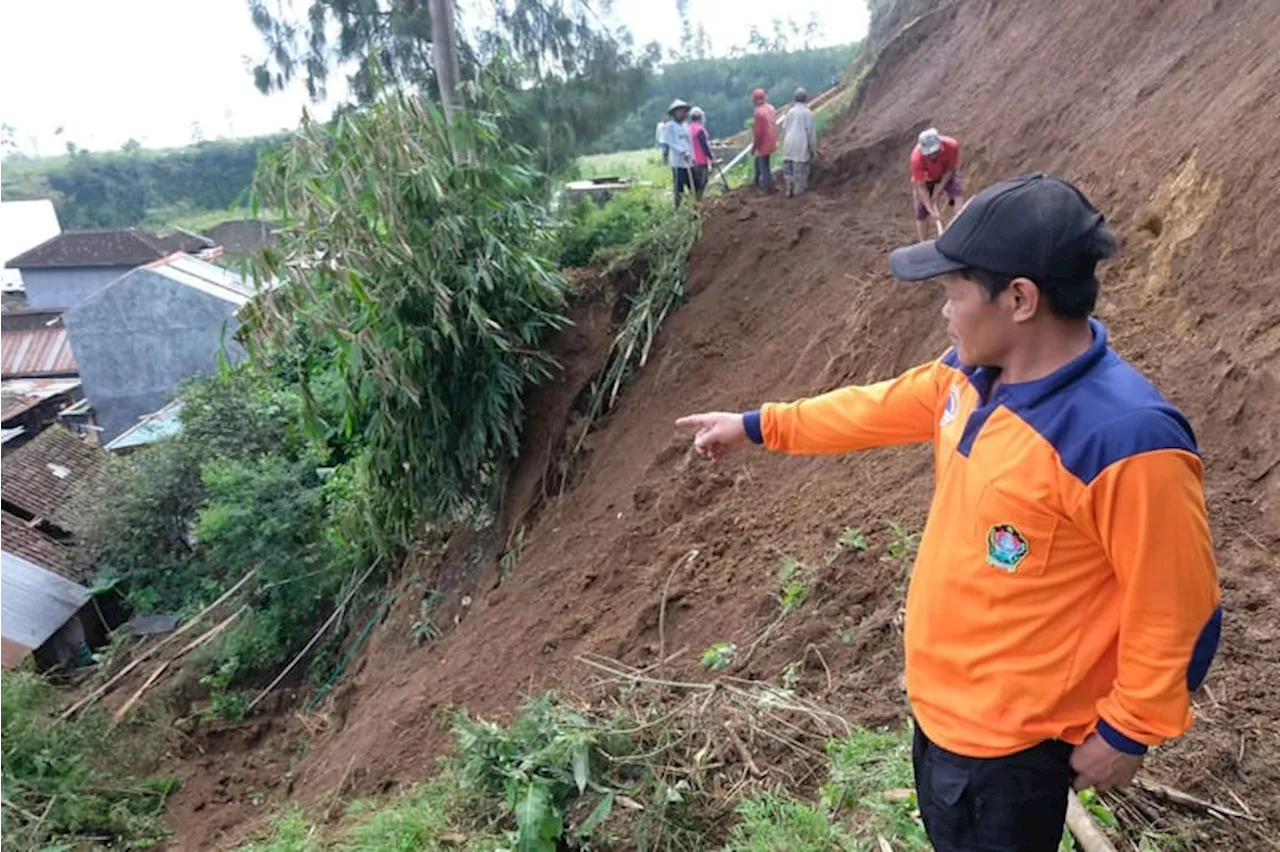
139	337
68	268
47	485
45	488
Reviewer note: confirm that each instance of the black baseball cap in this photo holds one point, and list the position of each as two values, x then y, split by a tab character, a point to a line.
1033	225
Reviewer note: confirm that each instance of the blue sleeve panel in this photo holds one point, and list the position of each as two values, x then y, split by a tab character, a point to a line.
751	423
1205	649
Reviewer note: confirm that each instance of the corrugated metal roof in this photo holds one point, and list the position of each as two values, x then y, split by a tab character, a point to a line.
164	423
35	602
31	347
207	277
20	395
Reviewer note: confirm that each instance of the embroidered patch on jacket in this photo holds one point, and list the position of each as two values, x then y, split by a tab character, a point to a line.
1006	547
952	408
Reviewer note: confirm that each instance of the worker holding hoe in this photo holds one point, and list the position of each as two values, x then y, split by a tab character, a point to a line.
1064	602
935	178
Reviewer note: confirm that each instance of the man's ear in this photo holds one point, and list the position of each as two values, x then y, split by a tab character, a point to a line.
1025	297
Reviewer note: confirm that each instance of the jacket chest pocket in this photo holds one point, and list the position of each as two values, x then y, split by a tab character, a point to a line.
1015	531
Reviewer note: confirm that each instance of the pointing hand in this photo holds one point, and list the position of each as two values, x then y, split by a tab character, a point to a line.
717	433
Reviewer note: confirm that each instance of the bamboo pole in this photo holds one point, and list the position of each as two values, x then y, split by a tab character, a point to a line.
97	693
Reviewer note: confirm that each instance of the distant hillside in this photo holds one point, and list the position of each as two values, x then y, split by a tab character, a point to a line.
722	87
136	186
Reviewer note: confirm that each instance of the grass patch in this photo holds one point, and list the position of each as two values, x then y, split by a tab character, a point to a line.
640	164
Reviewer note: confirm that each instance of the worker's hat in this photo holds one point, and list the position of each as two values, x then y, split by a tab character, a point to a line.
675	105
930	142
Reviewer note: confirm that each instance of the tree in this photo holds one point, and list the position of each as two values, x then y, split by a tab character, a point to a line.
572	74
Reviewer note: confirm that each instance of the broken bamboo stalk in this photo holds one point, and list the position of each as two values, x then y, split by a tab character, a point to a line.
100	691
1187	800
186	649
1086	832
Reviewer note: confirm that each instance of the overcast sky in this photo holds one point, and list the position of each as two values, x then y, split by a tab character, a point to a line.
160	71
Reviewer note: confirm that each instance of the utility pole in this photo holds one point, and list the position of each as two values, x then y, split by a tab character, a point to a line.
444	54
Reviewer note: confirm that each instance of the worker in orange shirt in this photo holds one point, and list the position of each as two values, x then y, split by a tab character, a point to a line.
1064	603
764	139
935	178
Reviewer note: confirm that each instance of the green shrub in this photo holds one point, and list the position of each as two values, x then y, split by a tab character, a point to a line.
74	779
538	765
590	228
432	286
240	488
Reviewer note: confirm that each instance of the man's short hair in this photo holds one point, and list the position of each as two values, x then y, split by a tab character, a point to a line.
1071	291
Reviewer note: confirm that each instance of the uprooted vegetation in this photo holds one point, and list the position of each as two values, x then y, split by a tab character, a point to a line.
648	764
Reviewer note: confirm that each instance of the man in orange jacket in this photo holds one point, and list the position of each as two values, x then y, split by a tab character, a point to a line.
1064	603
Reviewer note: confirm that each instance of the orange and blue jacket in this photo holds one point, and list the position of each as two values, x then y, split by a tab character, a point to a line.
1065	582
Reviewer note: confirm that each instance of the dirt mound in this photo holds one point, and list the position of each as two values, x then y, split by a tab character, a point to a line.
1158	110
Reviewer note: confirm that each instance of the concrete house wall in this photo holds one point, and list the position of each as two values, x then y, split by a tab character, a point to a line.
65	287
136	340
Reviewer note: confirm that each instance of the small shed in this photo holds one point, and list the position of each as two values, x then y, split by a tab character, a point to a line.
39	608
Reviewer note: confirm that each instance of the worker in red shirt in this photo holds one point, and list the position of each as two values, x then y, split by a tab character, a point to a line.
935	177
1064	601
764	139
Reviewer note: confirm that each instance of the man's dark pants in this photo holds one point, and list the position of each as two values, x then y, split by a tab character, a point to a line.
1015	803
681	181
764	173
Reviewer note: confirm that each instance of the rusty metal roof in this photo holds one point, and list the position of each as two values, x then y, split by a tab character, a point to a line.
20	395
34	344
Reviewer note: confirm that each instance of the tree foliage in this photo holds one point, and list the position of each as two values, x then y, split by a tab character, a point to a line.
135	186
426	284
571	74
240	488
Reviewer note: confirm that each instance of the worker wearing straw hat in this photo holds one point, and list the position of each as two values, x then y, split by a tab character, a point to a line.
680	148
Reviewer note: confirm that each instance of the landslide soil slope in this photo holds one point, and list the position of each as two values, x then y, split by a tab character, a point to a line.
1165	113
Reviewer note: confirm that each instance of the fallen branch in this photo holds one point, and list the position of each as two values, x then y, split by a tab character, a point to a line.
30	817
1086	832
160	669
100	691
1189	801
741	748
